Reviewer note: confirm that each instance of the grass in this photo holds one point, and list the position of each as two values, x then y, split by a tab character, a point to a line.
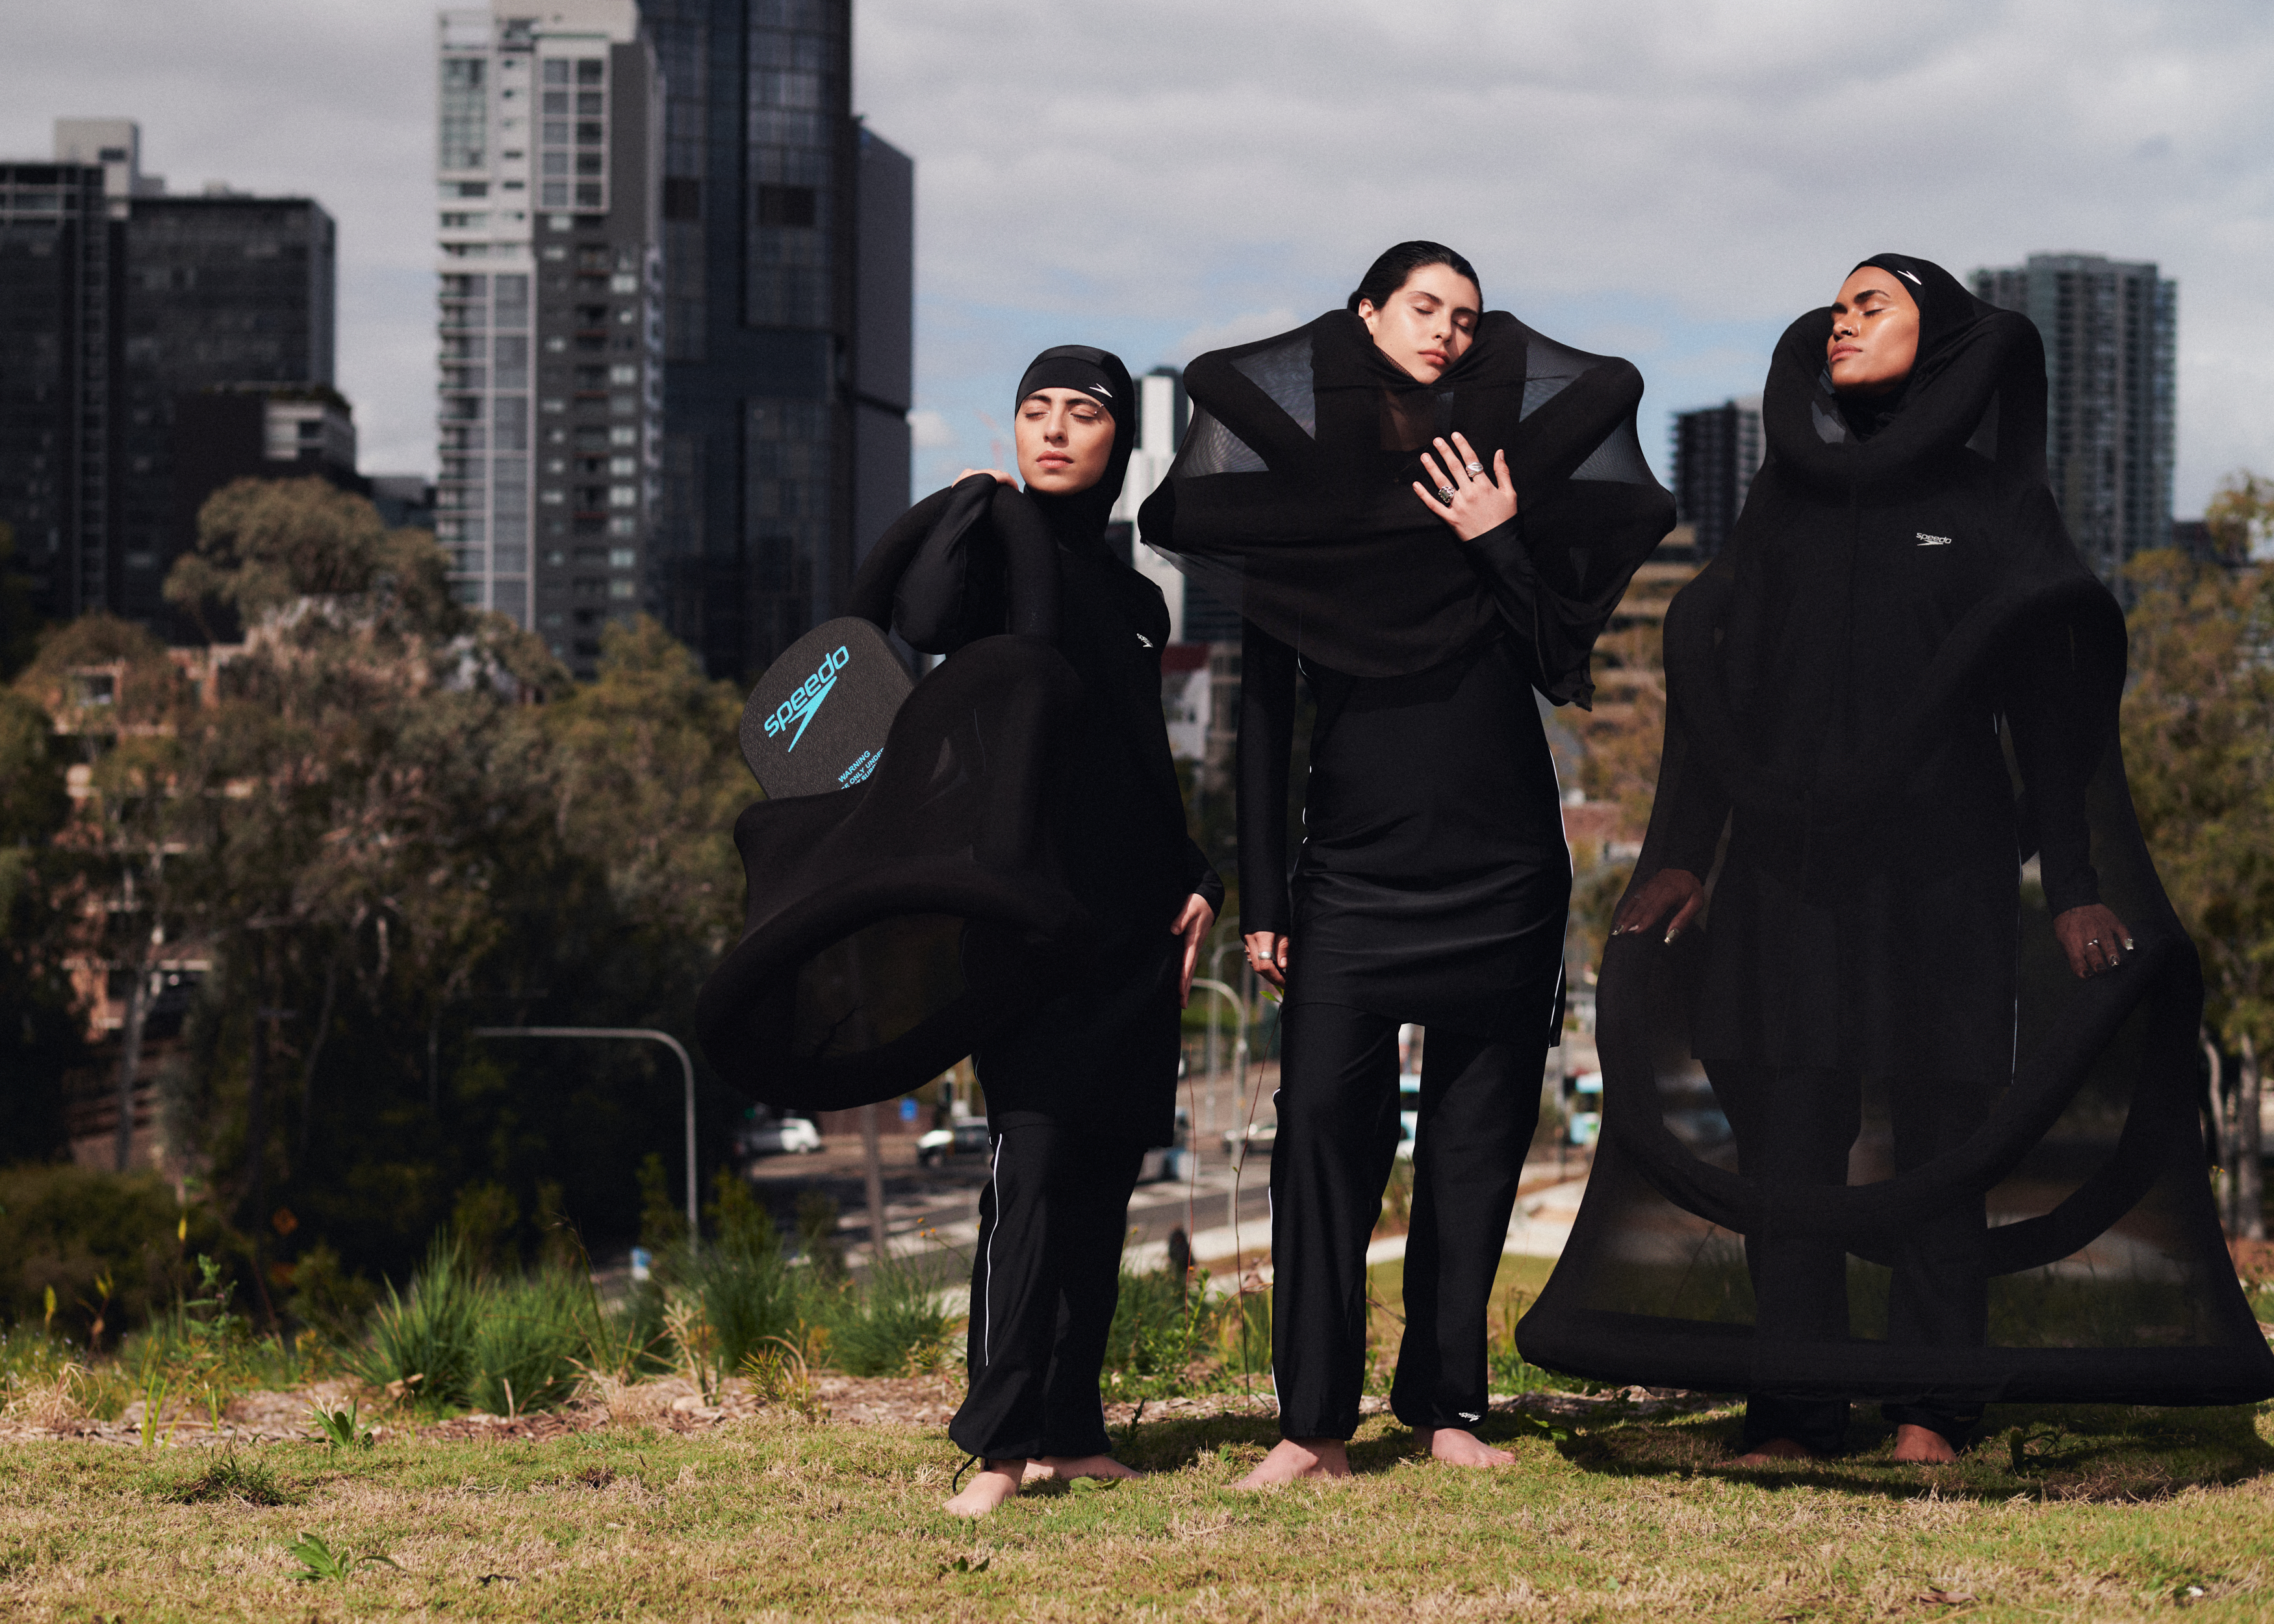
2125	1515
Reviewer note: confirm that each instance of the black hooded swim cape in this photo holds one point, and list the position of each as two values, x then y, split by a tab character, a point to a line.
1897	685
1004	883
1290	497
1433	878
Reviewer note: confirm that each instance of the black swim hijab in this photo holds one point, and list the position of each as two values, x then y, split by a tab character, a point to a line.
1080	519
1946	310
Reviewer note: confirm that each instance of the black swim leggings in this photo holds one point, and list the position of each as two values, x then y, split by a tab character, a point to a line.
1337	1104
1044	1280
1796	1126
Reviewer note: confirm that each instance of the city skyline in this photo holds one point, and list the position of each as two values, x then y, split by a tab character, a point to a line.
1671	206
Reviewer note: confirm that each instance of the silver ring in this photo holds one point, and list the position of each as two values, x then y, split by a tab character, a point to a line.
1445	494
1474	467
2092	942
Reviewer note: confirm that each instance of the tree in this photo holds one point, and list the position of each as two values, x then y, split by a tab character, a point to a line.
2198	733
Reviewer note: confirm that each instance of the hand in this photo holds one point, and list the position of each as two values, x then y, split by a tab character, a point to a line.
1478	504
2093	937
1267	956
1192	924
1009	479
1675	889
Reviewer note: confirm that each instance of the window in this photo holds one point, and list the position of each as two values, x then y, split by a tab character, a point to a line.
465	109
623	437
464	221
624	466
556	132
622	373
591	71
623	525
556	72
624	496
622	557
590	132
788	206
624	282
624	590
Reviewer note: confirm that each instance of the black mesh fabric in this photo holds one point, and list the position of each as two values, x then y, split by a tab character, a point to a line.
1290	497
1896	688
891	926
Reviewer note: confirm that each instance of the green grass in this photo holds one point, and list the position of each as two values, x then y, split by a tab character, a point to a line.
2121	1517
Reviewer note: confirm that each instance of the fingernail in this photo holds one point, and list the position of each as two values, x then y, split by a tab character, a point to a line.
1670	936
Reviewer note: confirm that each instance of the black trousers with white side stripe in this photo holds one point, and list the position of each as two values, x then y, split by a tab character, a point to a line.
1338	1138
1045	1279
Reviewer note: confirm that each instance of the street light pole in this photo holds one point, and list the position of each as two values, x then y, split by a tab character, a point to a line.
643	1034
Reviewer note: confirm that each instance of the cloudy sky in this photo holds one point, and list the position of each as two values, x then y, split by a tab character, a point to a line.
1672	182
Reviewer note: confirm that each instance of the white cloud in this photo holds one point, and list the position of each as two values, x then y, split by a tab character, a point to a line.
1234	330
928	430
1141	176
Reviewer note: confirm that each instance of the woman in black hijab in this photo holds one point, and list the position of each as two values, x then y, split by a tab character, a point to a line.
1897	683
1353	487
1078	1088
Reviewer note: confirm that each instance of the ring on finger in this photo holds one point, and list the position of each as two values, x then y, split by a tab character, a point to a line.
1474	467
1445	494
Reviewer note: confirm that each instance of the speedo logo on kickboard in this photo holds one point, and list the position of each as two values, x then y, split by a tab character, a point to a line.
1925	540
801	706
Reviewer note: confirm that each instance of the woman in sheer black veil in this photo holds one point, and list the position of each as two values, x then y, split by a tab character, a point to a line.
1353	487
1897	684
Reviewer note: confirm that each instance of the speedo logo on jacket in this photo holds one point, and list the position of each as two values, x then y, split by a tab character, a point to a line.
799	706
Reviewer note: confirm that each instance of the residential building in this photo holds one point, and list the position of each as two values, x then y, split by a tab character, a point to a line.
121	302
549	242
62	281
1717	451
2111	332
788	272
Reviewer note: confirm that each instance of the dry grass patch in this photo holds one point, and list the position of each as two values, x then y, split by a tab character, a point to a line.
2129	1515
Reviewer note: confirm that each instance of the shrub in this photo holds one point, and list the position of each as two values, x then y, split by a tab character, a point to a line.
534	1333
427	1341
68	1229
740	1278
889	1324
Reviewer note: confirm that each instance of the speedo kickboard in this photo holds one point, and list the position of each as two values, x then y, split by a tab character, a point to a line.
817	720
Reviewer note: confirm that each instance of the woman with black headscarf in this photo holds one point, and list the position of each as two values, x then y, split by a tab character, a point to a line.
1352	487
1898	683
1078	1087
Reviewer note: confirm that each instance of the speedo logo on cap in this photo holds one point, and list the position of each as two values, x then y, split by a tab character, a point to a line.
799	707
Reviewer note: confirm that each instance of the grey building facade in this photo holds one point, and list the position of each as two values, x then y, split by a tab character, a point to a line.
550	315
124	310
1717	451
788	269
2111	332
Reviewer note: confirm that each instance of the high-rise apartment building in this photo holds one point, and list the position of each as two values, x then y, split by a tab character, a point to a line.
61	275
122	308
1717	451
2111	329
789	249
550	314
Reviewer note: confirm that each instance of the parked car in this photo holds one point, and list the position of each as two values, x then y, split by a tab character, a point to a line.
1172	1160
1258	1140
1409	1113
1583	1107
963	1139
764	1134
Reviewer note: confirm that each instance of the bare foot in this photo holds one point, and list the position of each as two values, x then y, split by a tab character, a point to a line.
1456	1447
1067	1468
995	1481
1296	1458
1923	1445
1777	1449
